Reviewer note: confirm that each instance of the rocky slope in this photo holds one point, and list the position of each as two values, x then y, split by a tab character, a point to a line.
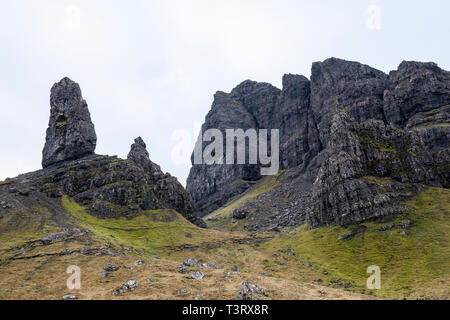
124	223
343	134
107	186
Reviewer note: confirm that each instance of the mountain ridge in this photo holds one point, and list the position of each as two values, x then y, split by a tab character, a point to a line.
411	102
107	186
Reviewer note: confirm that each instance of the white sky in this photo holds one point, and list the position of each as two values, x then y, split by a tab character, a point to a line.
150	68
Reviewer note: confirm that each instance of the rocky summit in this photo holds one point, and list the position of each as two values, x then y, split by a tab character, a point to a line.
107	186
71	133
354	143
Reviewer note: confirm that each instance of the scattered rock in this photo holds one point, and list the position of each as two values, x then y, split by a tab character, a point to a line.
137	264
403	233
130	285
353	233
240	214
340	284
183	269
181	291
69	297
50	238
406	224
197	275
248	291
235	269
191	262
325	272
108	268
323	291
317	281
4	205
210	265
386	227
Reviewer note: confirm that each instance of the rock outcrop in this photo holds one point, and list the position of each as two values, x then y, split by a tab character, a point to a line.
253	105
344	85
107	186
140	156
369	168
70	134
415	87
356	142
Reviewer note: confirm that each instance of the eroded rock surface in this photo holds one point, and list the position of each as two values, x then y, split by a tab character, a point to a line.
70	134
106	186
356	142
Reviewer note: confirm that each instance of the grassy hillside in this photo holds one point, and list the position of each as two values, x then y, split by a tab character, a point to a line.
30	269
153	232
413	266
289	264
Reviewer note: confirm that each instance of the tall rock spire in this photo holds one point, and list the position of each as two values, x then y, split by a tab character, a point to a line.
71	133
139	155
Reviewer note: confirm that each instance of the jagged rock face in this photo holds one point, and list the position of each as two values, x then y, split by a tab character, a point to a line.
414	88
259	99
350	187
70	134
227	112
294	120
345	85
140	156
346	129
110	187
251	105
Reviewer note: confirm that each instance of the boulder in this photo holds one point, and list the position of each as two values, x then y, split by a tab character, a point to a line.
239	214
197	275
128	286
250	291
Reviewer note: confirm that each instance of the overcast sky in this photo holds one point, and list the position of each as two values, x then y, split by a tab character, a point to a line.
150	68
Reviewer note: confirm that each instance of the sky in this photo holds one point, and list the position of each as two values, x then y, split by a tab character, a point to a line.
150	68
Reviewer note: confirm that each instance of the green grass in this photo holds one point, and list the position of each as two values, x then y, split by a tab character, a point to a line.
435	125
379	181
411	266
151	232
61	124
18	227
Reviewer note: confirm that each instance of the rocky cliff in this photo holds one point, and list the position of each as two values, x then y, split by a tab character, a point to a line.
355	142
70	133
106	186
